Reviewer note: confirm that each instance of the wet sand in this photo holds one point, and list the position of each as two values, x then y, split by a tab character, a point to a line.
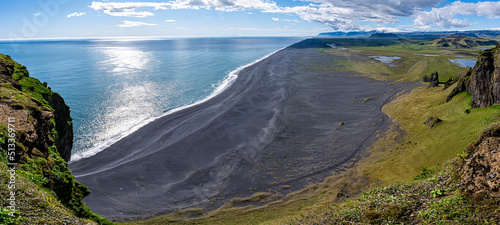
277	125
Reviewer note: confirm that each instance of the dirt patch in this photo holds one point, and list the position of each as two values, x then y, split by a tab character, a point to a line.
481	169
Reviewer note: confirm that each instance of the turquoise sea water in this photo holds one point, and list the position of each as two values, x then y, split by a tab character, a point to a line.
115	86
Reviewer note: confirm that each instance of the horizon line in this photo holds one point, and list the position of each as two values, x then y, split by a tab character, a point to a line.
138	38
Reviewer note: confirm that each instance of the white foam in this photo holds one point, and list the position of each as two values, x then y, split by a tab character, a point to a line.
223	85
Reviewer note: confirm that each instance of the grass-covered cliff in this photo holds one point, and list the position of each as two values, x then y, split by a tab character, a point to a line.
36	136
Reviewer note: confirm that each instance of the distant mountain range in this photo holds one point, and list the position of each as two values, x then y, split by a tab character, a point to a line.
417	34
384	36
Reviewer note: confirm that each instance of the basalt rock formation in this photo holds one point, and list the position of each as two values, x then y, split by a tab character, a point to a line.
482	81
432	78
40	123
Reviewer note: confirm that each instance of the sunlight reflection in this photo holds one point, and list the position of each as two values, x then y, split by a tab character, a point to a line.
125	59
132	96
131	105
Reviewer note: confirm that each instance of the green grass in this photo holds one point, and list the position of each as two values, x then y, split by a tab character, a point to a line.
435	200
421	146
35	205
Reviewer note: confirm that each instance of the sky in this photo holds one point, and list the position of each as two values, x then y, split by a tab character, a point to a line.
33	19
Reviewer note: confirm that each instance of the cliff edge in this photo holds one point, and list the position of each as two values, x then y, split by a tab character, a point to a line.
482	81
36	137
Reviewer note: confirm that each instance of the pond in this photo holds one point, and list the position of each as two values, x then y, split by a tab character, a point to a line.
386	59
464	62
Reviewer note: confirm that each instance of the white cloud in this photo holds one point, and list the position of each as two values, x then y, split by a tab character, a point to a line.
127	23
338	14
37	14
285	20
446	16
169	21
127	8
388	29
76	14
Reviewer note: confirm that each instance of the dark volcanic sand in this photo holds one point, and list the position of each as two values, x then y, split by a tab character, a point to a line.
276	125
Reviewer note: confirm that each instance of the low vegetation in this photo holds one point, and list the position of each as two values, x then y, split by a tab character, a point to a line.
429	199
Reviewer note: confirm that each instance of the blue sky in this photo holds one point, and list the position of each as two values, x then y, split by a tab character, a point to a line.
22	19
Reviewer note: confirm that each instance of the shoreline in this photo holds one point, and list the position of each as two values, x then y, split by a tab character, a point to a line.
228	80
276	126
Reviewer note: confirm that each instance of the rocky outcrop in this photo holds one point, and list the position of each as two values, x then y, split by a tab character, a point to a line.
433	78
481	168
64	125
15	74
432	121
43	134
482	81
449	82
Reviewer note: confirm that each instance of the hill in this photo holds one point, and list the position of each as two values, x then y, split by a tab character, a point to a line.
384	36
459	41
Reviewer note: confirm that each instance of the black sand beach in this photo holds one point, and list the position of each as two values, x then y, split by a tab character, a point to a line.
278	124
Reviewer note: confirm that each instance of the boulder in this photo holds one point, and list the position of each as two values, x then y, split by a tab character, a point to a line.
432	121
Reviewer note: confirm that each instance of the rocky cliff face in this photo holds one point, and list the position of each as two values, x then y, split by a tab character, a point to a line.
48	106
43	134
482	81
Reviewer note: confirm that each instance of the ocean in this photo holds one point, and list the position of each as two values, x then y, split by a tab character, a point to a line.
115	86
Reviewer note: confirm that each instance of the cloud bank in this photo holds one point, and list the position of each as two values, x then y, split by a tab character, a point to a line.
446	16
338	14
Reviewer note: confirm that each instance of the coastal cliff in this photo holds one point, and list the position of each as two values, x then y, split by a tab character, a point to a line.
49	105
482	81
39	122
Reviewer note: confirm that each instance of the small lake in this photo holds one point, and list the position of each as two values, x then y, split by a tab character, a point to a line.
464	62
386	59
